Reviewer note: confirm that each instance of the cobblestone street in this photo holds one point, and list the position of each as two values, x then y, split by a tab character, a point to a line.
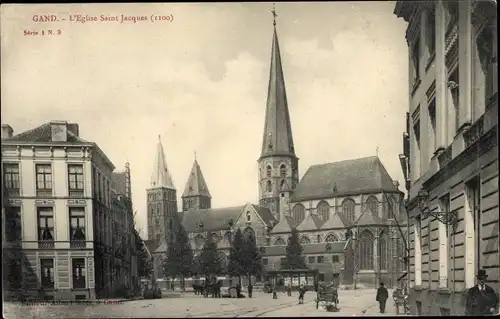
357	302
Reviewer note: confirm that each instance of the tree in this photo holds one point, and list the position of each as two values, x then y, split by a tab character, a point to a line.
179	259
144	264
210	263
251	257
236	265
294	258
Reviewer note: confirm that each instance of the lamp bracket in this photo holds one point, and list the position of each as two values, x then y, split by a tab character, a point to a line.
447	218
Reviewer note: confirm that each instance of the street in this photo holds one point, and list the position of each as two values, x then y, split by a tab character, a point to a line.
352	303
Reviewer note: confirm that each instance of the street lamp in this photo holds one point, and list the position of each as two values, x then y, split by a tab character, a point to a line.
445	217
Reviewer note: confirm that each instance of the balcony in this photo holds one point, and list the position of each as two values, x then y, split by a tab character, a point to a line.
75	193
12	192
78	244
44	192
473	134
45	244
445	157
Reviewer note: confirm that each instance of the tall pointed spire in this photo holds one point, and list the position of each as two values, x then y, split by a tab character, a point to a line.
196	185
277	139
161	177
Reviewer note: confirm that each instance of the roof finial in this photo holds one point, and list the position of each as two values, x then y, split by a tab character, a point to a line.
159	137
377	151
274	14
195	155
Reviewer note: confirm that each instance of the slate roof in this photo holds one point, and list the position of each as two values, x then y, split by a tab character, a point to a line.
349	177
152	245
43	134
337	221
312	222
213	218
119	182
307	249
285	225
161	176
196	185
368	218
265	214
162	248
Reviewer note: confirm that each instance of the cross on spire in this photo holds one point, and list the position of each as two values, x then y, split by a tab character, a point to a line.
377	150
273	11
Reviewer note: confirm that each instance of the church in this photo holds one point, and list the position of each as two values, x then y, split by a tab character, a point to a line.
356	195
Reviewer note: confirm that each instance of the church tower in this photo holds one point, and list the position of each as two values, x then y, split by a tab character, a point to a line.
278	165
162	201
196	195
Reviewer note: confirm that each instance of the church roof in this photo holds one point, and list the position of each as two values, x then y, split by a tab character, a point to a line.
307	249
349	177
43	133
162	248
337	221
265	213
312	222
196	185
368	219
285	225
277	138
151	245
212	218
161	176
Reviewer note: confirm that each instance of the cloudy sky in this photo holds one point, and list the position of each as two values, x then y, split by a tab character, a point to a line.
200	81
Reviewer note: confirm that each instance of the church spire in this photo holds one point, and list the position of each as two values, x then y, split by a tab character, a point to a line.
161	177
277	139
196	185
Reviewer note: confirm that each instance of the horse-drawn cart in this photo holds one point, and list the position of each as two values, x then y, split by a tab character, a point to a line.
328	297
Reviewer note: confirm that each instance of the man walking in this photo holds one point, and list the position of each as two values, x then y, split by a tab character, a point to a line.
250	288
382	296
481	299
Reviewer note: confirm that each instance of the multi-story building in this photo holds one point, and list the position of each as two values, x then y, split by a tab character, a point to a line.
58	189
451	150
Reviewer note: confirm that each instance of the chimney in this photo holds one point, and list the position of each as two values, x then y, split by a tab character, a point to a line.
7	131
59	131
73	127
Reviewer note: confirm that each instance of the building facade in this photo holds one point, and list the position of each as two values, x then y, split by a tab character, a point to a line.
59	206
356	196
451	151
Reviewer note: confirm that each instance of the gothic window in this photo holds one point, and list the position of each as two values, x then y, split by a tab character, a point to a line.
305	240
227	236
331	238
157	222
216	238
170	224
318	238
158	237
348	206
365	251
269	171
249	233
249	217
279	242
323	209
382	251
282	184
372	205
199	241
298	213
451	14
283	170
269	186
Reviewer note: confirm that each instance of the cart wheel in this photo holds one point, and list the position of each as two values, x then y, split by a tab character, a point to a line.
317	303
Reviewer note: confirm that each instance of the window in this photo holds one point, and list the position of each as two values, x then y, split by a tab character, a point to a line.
75	179
282	185
331	238
47	273
249	217
348	207
365	252
335	258
43	180
430	29
418	250
11	178
323	209
283	261
45	227
382	251
199	241
170	224
318	238
451	14
79	274
77	227
279	242
305	240
474	207
311	259
249	234
268	241
299	213
269	186
157	222
321	277
13	225
158	237
265	261
453	101
372	205
415	62
283	170
269	171
432	118
321	259
416	144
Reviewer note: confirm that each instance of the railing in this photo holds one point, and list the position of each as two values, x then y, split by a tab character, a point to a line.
474	132
12	192
44	192
76	193
445	157
77	244
45	244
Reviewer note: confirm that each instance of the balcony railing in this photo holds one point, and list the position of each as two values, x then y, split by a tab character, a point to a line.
44	192
76	193
12	192
445	157
44	244
77	244
474	132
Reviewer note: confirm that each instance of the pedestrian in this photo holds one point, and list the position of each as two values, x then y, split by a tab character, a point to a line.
238	290
250	288
382	296
275	294
302	292
289	289
481	299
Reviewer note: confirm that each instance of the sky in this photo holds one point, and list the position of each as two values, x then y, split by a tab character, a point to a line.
200	81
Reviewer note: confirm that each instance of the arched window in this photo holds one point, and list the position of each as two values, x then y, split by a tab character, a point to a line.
305	240
269	171
299	213
366	250
170	224
282	184
199	241
158	237
269	186
279	242
283	170
382	251
216	238
372	205
323	209
331	238
249	217
348	206
249	233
